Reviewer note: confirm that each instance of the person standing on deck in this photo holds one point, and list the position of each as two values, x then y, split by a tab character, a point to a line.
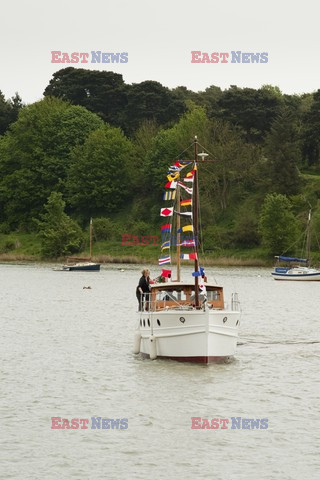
143	288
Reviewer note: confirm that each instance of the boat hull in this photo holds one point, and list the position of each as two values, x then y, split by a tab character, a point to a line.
190	336
304	277
89	267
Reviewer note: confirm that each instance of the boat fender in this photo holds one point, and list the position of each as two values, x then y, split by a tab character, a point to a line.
153	347
136	342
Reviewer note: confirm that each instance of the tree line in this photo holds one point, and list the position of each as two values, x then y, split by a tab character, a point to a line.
102	147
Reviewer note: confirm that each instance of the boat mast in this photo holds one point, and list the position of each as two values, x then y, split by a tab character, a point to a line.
195	221
308	246
178	235
90	238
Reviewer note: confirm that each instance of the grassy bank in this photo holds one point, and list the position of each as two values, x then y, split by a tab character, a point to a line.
16	247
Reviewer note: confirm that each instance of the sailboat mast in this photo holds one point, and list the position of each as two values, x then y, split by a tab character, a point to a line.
90	238
196	221
178	235
308	246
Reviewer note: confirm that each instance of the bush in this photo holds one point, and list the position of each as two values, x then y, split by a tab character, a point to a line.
246	231
5	228
60	235
105	229
8	246
216	238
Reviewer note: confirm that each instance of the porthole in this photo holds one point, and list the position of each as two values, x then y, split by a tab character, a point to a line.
158	322
225	319
148	322
182	319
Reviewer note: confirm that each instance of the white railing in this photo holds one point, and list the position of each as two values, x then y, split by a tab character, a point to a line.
235	302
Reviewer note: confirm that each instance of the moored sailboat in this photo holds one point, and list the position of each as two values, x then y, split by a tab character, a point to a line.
299	269
186	321
82	264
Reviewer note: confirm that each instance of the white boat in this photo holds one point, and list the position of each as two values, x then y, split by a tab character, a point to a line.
296	271
188	321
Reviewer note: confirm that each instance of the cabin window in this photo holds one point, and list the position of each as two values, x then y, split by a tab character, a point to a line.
171	295
213	295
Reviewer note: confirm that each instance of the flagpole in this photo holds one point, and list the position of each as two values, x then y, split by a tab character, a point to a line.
195	221
178	235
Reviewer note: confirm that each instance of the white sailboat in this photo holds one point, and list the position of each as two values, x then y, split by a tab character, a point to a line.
299	269
187	321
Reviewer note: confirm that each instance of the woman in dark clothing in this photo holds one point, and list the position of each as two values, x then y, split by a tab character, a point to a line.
143	288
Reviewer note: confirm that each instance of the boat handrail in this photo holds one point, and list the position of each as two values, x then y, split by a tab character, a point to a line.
169	302
235	303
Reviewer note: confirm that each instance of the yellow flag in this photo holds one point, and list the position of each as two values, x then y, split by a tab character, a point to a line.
173	176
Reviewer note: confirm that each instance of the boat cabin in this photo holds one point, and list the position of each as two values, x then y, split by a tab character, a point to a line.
182	295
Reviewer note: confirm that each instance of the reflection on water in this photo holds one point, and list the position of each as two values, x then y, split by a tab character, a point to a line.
66	352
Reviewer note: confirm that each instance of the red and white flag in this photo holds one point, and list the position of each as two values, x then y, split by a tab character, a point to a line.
187	189
188	256
166	212
171	185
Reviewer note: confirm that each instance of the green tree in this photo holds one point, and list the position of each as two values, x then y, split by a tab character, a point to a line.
150	101
118	104
105	229
60	235
34	155
252	110
233	164
310	134
9	110
100	172
278	225
168	144
283	152
101	92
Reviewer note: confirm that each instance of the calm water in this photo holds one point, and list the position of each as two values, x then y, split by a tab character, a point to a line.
66	352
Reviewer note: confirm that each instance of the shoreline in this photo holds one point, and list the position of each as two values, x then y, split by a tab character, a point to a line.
136	260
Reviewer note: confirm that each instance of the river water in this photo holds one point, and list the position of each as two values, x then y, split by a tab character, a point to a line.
66	352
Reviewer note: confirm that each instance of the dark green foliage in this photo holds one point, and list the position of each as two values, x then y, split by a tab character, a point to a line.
252	110
99	174
105	229
34	155
245	232
278	225
121	105
254	138
282	151
60	235
150	101
8	246
100	92
9	110
216	238
311	133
